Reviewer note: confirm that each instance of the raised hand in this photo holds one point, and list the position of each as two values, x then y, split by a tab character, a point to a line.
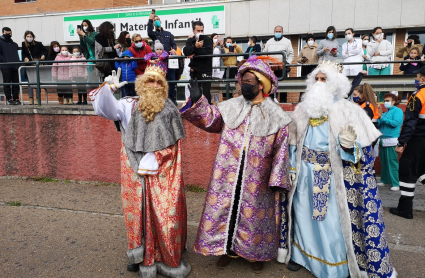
347	137
195	93
115	79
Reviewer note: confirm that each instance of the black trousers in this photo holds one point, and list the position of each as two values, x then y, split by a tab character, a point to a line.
412	166
205	87
232	73
171	75
232	223
283	97
11	76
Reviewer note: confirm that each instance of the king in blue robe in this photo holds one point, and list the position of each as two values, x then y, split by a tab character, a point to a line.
332	219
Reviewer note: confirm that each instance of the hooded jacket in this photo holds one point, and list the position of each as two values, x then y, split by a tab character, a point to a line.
8	53
128	67
140	53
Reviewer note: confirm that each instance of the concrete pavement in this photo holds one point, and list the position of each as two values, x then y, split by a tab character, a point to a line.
76	229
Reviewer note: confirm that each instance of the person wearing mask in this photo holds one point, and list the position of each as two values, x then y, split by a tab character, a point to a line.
352	51
252	45
156	32
105	47
78	73
54	49
380	50
240	216
328	48
280	43
87	39
32	51
389	125
9	53
364	96
308	55
124	40
139	48
217	71
230	48
412	41
61	74
128	67
411	146
200	68
365	42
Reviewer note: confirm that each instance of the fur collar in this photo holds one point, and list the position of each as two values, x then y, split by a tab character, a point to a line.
341	113
235	110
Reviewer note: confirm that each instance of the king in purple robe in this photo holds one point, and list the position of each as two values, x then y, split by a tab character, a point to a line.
241	216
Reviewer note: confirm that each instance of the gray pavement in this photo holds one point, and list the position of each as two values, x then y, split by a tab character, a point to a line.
76	229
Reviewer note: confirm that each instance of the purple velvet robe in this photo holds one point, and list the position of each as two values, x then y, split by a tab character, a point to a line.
256	232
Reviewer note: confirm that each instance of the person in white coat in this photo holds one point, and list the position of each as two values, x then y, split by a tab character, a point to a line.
352	52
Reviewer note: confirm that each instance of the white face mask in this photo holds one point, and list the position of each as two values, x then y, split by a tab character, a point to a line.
365	42
348	37
64	53
85	28
198	35
380	36
30	39
215	40
310	43
76	54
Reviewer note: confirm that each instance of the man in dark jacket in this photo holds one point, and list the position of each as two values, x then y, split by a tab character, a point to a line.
411	143
200	68
167	40
9	53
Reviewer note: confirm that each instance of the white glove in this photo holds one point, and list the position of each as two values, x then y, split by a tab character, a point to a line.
347	137
115	79
292	177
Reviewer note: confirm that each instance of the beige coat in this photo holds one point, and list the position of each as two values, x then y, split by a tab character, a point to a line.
310	53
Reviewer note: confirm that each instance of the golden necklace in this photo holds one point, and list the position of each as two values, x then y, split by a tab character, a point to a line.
317	121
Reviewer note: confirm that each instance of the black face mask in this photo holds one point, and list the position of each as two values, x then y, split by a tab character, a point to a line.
128	41
409	44
7	36
248	91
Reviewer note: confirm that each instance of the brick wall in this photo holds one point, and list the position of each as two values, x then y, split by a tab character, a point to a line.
49	6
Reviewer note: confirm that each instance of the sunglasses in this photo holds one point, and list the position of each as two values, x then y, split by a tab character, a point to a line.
138	41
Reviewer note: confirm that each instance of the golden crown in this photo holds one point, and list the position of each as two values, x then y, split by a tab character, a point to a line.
154	69
326	64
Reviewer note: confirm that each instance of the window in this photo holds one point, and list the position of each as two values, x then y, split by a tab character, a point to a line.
24	1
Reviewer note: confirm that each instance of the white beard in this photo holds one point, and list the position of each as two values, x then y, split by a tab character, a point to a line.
317	101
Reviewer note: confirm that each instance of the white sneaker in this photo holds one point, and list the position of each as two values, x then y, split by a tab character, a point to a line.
395	188
382	184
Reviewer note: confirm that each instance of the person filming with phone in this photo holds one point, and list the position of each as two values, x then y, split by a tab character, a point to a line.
230	48
328	48
200	68
157	33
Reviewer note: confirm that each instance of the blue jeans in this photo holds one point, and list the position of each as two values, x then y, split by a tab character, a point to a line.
171	75
128	90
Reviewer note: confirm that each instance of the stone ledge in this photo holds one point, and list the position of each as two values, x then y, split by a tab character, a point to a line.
47	110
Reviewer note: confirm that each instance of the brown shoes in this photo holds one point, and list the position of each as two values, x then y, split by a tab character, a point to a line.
223	261
257	267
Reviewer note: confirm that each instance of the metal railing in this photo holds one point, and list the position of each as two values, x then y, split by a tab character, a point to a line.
38	84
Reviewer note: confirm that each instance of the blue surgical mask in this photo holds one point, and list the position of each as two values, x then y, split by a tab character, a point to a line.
330	36
228	45
157	23
356	99
139	44
388	104
418	84
278	35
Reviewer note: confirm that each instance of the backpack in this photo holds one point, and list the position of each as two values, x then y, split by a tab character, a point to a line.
104	67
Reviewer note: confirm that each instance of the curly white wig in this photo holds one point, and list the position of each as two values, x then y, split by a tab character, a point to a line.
338	84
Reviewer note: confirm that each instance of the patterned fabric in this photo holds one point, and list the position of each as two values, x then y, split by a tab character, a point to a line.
266	165
166	223
367	218
322	180
255	64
